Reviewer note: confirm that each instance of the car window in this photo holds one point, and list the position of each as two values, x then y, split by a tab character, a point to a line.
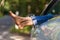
55	9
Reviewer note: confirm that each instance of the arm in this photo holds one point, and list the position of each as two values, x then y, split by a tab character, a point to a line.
26	21
40	19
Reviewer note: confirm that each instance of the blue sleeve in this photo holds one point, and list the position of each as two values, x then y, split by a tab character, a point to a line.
40	19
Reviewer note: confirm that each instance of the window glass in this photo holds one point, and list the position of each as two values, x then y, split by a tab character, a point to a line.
55	9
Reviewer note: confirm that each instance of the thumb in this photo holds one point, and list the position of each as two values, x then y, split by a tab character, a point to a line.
12	14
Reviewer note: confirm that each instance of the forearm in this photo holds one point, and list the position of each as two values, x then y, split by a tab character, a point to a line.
40	19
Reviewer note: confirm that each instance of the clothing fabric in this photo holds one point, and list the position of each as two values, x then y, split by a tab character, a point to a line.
37	20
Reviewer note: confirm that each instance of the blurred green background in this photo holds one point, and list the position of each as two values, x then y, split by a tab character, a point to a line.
23	6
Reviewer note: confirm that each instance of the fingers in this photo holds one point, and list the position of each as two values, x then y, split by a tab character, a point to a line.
20	26
15	16
12	14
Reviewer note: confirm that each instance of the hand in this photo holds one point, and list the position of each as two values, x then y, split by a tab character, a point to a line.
21	21
27	22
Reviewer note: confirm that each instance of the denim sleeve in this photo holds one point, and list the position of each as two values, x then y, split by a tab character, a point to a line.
37	20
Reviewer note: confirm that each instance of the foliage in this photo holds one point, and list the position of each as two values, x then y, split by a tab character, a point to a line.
21	6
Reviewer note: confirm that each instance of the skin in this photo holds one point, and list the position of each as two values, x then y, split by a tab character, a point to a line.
21	21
